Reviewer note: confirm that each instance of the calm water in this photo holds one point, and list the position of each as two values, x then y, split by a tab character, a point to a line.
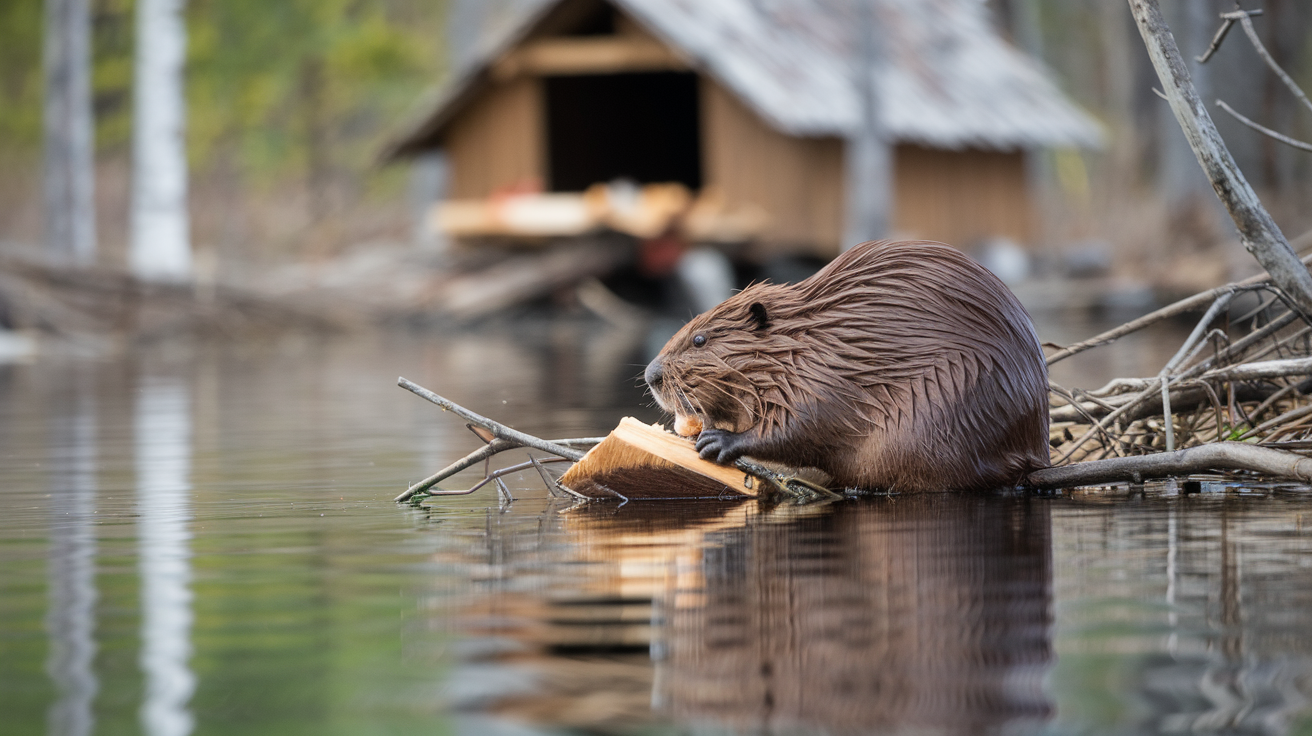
202	541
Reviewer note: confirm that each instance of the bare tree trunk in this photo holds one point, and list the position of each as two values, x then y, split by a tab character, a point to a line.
70	213
869	164
160	246
1258	232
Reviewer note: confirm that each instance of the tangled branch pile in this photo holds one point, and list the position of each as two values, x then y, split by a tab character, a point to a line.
1242	375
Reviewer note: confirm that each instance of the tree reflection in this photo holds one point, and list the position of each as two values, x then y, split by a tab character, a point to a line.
71	616
163	458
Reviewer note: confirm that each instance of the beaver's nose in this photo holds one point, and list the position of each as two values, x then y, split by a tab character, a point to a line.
653	375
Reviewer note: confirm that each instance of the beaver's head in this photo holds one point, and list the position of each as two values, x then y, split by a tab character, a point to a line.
718	371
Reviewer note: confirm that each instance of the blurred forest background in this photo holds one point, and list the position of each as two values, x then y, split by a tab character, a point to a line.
291	101
287	102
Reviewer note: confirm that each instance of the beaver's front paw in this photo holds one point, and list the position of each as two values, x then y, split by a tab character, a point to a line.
720	446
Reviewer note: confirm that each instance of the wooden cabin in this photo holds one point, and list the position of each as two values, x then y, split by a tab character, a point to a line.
750	108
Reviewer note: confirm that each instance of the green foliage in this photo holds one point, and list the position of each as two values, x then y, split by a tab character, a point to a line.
270	85
20	74
278	84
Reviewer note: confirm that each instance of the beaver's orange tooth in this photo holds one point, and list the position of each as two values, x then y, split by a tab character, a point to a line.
687	425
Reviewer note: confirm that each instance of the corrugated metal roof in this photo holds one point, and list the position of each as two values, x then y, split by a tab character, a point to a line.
946	79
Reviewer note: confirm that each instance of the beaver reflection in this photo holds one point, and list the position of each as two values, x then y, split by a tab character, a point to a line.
912	613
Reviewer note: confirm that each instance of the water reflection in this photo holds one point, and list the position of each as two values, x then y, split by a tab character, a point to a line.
899	614
163	463
71	566
1219	588
908	614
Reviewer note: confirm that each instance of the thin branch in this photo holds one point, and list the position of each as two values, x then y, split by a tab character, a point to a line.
1262	370
553	484
1288	416
496	475
1270	401
1215	456
1293	142
1247	23
483	453
1258	232
498	429
1227	21
1171	310
1221	33
1186	352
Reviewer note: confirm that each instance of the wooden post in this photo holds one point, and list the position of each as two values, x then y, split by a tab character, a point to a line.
868	157
1258	232
70	213
160	246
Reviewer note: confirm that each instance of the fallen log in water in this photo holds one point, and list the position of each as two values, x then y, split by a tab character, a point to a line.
1200	459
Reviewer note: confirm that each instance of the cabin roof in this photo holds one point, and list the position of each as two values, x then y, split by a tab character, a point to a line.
946	79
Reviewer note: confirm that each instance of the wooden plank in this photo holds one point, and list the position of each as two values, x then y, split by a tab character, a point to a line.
497	144
604	55
645	461
754	168
961	197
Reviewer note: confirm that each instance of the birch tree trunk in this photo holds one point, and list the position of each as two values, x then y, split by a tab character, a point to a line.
70	213
160	248
868	157
1258	232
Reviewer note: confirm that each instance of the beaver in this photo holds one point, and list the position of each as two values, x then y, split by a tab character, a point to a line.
900	366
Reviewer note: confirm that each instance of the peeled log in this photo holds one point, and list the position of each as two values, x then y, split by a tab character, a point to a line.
1216	456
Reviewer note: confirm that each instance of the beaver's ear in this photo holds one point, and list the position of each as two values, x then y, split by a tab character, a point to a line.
759	315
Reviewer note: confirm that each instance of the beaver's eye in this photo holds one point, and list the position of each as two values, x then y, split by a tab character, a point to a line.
698	340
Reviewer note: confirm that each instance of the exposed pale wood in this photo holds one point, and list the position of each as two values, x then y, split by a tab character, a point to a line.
634	450
601	55
1263	369
497	143
797	182
959	197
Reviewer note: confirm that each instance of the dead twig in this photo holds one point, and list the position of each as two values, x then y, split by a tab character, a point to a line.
1273	134
1258	232
481	454
1184	306
1262	370
1227	21
498	429
1186	351
1243	16
495	475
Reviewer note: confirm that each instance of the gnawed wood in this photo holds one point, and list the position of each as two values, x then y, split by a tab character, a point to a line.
645	461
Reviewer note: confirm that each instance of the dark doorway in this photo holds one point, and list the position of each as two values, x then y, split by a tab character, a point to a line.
637	126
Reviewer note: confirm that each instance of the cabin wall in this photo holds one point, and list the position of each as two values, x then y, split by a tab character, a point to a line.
796	182
960	197
497	142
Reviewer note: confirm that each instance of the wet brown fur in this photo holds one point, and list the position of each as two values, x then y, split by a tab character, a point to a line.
900	366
